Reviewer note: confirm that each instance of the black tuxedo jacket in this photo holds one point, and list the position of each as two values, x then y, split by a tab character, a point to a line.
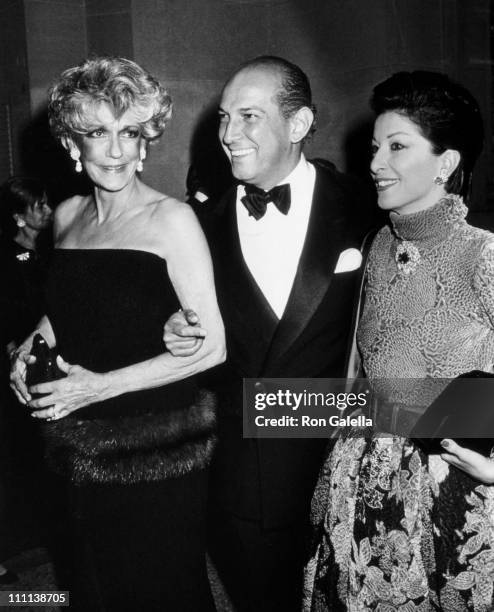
273	480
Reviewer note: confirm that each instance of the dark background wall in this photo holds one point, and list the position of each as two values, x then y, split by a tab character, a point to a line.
345	46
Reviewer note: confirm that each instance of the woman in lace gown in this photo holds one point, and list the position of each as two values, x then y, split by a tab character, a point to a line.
394	528
126	427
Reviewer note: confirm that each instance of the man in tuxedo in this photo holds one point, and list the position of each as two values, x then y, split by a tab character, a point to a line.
276	239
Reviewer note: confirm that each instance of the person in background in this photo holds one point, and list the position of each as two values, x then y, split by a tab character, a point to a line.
127	427
25	216
196	194
396	528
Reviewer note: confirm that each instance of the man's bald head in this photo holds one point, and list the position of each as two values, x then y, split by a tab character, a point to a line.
294	92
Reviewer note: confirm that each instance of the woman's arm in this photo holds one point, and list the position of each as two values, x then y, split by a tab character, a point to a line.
21	357
483	280
475	464
190	271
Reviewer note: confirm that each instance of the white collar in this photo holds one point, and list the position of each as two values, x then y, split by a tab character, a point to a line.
298	179
299	174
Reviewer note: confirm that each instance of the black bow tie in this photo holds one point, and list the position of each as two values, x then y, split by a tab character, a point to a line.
256	200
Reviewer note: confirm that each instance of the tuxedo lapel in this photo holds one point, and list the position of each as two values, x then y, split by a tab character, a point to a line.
323	242
239	286
250	321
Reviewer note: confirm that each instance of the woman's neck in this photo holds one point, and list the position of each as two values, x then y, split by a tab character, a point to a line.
111	204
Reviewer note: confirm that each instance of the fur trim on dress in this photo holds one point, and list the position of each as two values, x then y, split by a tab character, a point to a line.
129	449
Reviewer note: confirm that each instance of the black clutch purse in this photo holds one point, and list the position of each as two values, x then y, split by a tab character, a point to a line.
464	411
45	368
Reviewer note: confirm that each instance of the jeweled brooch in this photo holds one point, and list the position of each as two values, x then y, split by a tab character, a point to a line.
23	256
407	257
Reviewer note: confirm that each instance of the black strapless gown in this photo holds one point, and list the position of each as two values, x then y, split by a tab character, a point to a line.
135	464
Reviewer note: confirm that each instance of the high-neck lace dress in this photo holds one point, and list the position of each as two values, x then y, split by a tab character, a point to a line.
395	529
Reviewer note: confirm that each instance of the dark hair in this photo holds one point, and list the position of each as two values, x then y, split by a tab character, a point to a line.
119	82
295	91
17	194
446	113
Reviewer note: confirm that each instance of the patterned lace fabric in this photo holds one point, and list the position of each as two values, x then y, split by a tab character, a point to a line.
394	529
433	224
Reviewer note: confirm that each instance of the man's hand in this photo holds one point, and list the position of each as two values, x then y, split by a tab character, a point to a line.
183	335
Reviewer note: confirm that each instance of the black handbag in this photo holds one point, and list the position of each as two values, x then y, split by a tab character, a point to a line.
464	411
45	368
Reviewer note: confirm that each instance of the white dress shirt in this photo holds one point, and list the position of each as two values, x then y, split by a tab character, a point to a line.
271	246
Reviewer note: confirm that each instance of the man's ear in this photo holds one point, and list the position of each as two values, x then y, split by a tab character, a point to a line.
301	122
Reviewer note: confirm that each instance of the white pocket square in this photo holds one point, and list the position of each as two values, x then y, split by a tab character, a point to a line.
349	260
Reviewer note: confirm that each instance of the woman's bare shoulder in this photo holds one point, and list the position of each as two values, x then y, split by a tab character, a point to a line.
67	210
172	211
71	204
175	226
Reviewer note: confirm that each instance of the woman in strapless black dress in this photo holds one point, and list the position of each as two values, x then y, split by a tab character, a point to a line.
126	427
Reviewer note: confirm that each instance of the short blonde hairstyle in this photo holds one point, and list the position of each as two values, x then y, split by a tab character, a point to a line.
120	83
